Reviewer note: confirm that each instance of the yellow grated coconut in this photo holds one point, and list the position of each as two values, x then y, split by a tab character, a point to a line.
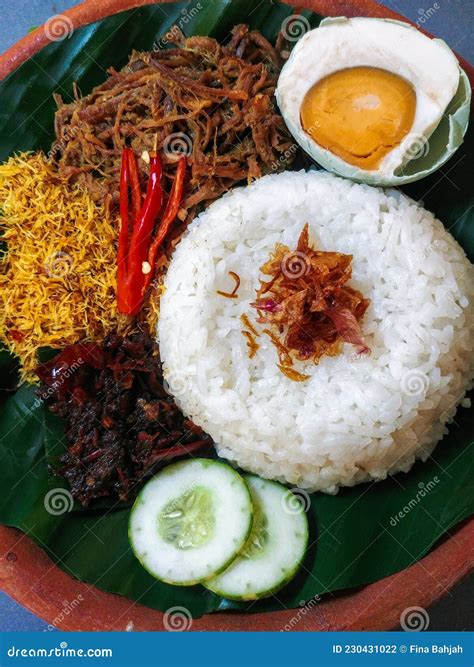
57	276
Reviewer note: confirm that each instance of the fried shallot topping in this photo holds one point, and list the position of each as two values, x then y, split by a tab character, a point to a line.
309	306
250	333
234	293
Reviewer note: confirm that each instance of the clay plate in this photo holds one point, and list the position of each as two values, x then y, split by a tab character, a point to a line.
31	578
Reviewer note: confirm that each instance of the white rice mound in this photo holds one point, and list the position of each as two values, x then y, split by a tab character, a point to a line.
355	419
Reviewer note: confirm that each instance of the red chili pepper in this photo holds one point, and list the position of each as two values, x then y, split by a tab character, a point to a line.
135	245
178	450
16	335
142	232
93	456
169	216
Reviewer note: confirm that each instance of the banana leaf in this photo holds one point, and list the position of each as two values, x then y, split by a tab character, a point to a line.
359	536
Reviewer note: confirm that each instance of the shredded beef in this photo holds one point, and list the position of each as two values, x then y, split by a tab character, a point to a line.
214	102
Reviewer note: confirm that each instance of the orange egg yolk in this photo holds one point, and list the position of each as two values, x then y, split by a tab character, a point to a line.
359	114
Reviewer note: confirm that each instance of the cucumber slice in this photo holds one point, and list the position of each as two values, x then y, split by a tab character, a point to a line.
190	521
274	551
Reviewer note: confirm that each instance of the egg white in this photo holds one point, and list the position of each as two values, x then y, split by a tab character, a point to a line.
428	64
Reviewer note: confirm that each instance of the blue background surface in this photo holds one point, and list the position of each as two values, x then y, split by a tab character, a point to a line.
453	21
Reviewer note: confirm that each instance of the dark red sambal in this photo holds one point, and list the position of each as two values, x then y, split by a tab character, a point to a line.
120	423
